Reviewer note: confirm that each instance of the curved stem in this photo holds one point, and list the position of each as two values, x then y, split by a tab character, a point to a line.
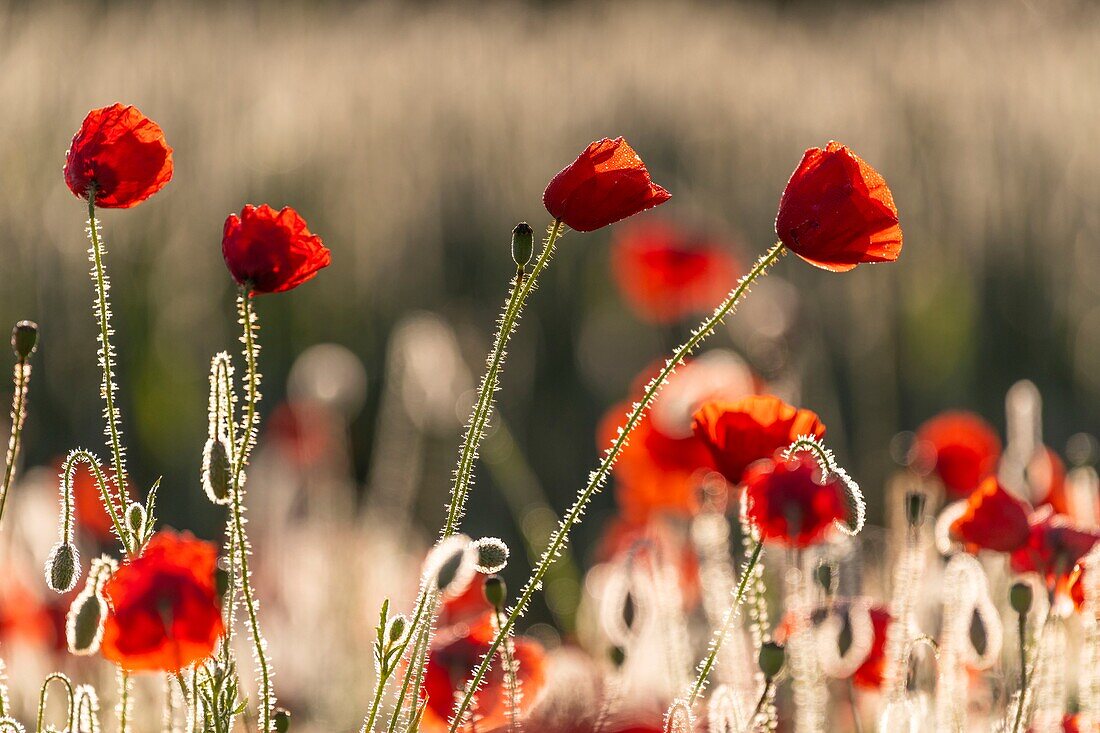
599	476
42	699
106	350
67	500
247	440
483	407
21	379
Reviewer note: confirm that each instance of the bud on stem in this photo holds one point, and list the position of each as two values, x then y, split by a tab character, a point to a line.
523	245
24	339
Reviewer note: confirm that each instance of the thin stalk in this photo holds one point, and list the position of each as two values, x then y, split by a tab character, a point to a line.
123	701
720	634
599	476
21	379
247	440
420	643
760	703
1027	677
483	407
107	353
56	676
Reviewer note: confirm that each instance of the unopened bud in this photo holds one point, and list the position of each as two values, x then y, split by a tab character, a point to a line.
397	628
84	623
824	576
914	508
772	658
492	555
135	519
449	567
221	580
1020	597
496	591
62	567
216	471
24	339
282	720
523	244
617	655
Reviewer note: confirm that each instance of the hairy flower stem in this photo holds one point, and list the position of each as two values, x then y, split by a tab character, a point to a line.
106	361
21	380
598	477
247	438
42	700
490	382
723	632
1026	677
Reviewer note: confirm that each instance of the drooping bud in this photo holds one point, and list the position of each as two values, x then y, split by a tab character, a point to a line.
221	578
24	339
217	473
824	575
282	720
914	508
772	657
84	623
450	565
62	567
523	244
496	591
1020	597
492	555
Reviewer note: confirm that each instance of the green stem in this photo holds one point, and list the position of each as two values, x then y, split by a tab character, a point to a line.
1027	677
720	634
420	634
483	407
67	470
123	701
106	353
599	476
42	699
247	438
21	379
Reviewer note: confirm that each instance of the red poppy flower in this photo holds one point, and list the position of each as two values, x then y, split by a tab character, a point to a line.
994	520
666	274
164	607
1053	549
453	660
962	447
870	674
739	433
790	502
837	212
466	607
123	153
271	251
606	183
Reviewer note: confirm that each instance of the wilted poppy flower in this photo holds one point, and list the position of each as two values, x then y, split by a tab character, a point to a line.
606	183
123	153
271	251
1053	549
164	609
739	433
962	448
836	211
666	274
789	501
993	520
454	658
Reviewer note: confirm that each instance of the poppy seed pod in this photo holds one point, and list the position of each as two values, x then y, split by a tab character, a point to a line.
523	244
282	720
62	567
771	659
24	339
1020	597
492	555
496	591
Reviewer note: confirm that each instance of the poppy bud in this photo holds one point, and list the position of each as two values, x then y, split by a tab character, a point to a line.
397	628
24	339
496	591
84	624
216	471
450	566
772	657
282	720
824	576
135	519
492	555
1020	597
62	567
523	244
617	655
914	508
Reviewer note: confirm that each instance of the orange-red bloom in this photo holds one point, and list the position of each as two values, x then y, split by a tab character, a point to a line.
962	447
994	520
606	183
271	251
164	606
789	501
453	660
1053	549
739	433
837	212
123	153
666	274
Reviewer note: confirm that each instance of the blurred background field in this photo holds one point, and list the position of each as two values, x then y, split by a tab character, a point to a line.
413	136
